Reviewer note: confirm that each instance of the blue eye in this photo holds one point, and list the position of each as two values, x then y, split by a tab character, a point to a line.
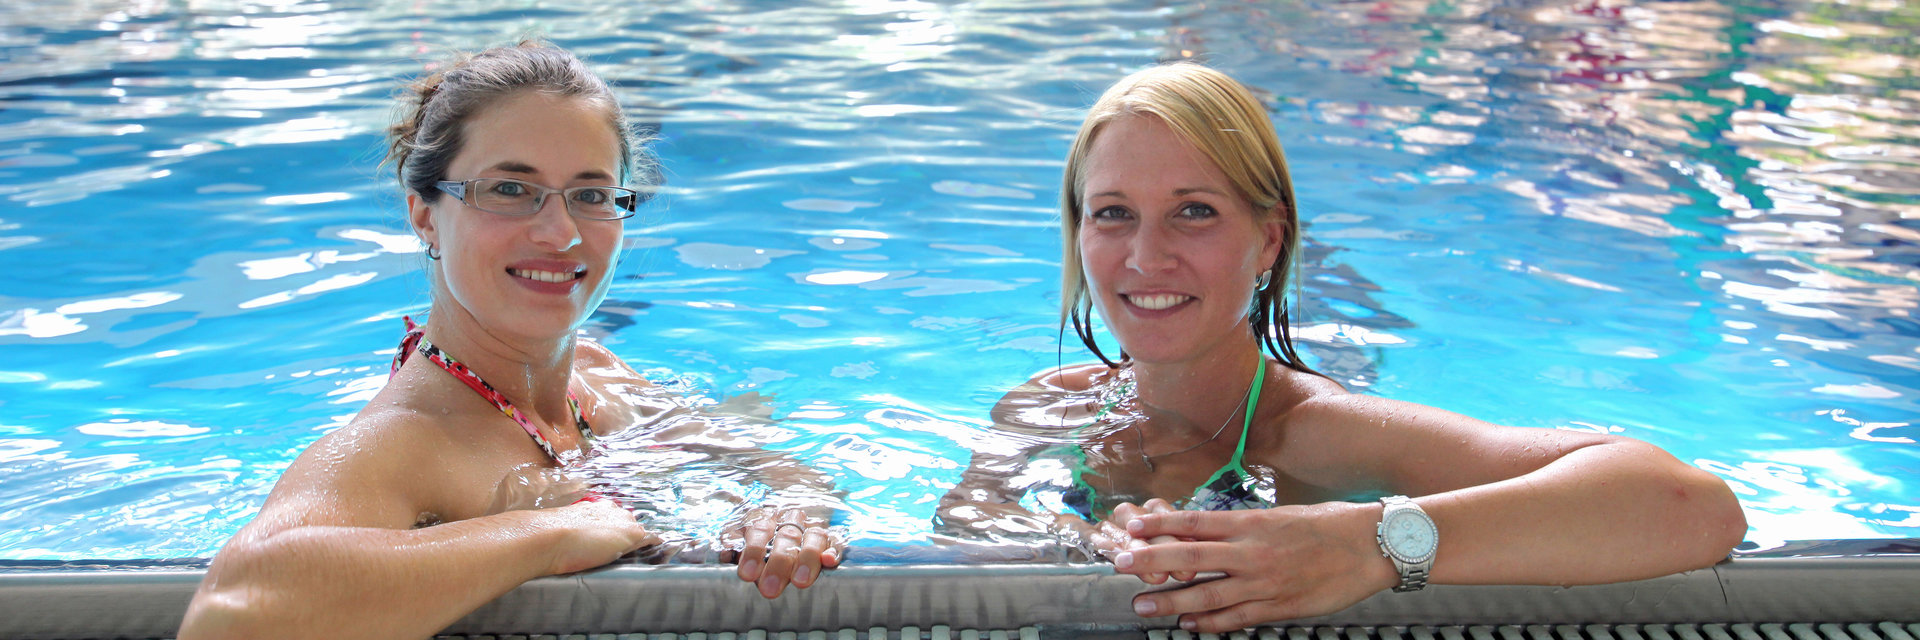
509	188
1198	211
591	196
1110	213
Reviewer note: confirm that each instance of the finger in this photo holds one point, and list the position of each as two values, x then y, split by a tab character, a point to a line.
1149	578
813	548
1180	556
1109	539
781	560
1157	505
622	520
1200	598
1126	512
1182	576
1162	506
753	549
1192	525
836	549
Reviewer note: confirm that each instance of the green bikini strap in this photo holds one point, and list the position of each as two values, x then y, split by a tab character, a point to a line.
1246	424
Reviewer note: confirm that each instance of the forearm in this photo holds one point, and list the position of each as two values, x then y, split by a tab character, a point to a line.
365	582
1618	511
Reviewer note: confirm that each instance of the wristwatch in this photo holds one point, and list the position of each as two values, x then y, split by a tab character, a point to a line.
1408	538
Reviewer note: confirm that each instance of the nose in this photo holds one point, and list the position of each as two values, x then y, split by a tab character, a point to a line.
553	227
1149	250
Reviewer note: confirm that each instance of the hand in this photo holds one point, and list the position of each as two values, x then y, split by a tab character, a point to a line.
1280	563
1114	529
784	545
598	531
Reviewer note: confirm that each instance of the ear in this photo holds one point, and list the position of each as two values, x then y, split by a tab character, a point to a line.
420	216
1273	232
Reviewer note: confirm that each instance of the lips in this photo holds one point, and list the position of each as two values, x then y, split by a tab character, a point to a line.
1156	302
547	276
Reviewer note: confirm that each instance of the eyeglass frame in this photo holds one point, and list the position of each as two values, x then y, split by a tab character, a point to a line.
458	189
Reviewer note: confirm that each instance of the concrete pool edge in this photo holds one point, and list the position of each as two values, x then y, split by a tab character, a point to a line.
148	602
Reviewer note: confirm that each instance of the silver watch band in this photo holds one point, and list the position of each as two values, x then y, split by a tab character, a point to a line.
1413	576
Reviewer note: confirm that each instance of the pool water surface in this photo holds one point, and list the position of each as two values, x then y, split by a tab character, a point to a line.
1693	223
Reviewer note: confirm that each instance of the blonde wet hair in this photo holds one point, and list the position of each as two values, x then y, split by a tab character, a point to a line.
1218	116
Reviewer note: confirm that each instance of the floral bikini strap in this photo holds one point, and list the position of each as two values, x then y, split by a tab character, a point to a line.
416	341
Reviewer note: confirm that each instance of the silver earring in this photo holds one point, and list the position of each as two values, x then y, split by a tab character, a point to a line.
1261	281
433	252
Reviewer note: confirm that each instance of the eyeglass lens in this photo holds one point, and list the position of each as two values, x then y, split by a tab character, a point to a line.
513	197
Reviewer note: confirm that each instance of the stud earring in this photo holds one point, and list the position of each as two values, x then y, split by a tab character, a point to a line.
433	252
1261	281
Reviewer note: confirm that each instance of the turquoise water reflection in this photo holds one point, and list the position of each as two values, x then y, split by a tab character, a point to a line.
1688	222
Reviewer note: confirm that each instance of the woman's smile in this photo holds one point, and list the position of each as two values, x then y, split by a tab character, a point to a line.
1155	302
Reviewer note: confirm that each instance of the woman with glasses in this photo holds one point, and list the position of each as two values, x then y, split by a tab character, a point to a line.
513	161
1214	448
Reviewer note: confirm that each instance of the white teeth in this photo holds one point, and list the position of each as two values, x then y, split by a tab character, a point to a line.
544	276
1158	302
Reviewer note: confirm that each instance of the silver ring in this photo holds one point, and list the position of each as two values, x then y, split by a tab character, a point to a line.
783	525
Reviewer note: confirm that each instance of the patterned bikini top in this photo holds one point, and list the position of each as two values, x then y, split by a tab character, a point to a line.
416	341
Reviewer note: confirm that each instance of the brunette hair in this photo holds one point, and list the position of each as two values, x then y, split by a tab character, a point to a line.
425	139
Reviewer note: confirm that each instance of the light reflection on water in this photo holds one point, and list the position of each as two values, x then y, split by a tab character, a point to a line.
1688	222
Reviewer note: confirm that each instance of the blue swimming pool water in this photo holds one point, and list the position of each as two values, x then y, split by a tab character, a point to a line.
1695	223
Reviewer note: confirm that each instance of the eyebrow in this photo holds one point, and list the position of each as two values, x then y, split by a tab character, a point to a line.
515	166
1176	192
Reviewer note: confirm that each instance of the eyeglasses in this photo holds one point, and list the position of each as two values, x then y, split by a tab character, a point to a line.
509	197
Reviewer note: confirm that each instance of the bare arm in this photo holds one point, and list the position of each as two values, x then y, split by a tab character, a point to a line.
1513	506
1532	506
333	553
370	582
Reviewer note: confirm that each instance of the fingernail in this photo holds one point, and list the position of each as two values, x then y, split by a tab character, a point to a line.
1144	607
770	585
802	575
751	567
1189	625
1124	560
1136	526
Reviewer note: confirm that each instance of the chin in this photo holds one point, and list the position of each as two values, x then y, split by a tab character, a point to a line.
542	324
1154	351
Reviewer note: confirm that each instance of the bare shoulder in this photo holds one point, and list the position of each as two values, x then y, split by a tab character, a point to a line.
1078	377
1044	400
596	359
382	469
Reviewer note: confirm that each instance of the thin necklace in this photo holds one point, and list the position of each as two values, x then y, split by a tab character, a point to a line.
1141	436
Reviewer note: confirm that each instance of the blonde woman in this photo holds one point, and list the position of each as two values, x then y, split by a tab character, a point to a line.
1222	451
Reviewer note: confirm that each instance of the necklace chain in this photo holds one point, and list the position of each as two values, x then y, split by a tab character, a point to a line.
1141	436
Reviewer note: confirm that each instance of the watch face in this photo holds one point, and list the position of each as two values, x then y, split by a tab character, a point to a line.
1410	536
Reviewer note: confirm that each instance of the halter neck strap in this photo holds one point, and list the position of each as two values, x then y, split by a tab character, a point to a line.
416	342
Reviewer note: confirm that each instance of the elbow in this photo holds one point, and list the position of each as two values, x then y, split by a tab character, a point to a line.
220	615
1717	525
236	598
229	606
1729	524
